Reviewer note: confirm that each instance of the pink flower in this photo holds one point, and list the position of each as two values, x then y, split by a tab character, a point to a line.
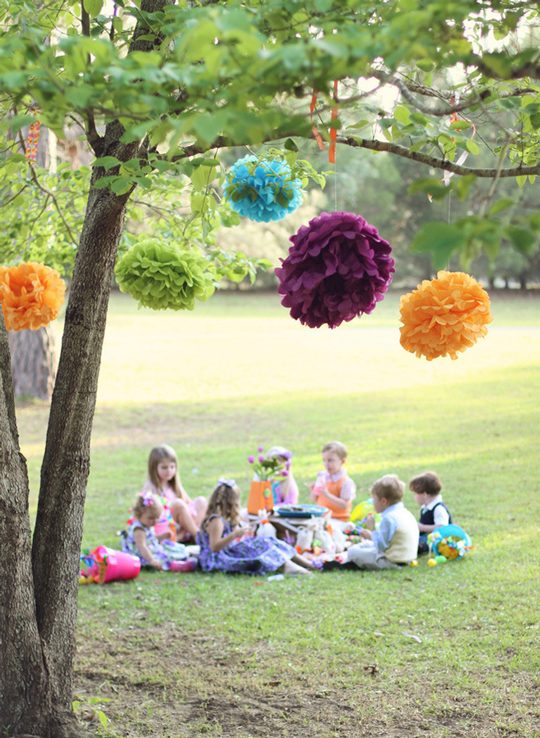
260	449
284	473
251	459
261	459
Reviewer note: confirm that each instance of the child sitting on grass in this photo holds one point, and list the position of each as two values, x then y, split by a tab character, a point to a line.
426	488
227	547
395	542
141	541
333	488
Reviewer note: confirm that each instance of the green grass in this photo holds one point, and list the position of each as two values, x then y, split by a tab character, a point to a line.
190	655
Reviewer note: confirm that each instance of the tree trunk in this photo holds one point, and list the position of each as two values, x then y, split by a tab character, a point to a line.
39	623
24	690
66	463
33	362
38	617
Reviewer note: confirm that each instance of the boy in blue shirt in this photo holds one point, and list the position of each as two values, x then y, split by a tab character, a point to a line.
395	542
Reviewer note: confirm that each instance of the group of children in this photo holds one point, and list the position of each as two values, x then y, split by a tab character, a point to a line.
165	518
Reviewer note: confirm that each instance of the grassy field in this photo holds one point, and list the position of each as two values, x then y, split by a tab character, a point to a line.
452	651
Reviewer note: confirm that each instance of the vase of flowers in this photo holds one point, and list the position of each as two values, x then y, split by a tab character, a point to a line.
266	469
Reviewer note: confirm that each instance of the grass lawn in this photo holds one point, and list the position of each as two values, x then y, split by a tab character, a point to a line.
450	651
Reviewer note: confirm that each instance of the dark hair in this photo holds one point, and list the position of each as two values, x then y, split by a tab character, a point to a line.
427	483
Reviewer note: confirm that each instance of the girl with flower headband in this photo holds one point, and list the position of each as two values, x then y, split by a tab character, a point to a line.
164	481
141	540
225	546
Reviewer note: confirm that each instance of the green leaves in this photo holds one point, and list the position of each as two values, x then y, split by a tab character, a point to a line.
93	7
440	240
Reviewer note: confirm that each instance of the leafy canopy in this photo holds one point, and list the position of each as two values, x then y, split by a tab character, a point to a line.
451	85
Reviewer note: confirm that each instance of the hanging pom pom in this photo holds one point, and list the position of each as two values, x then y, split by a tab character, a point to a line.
31	295
337	268
161	275
262	189
444	315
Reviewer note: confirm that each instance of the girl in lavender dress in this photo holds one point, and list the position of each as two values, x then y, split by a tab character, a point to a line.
225	547
140	539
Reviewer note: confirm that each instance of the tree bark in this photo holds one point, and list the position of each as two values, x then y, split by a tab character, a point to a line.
66	463
23	680
33	362
37	636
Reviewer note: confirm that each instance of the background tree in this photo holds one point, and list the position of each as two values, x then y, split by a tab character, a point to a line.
159	89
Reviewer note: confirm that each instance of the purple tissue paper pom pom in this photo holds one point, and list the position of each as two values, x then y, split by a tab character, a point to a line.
338	267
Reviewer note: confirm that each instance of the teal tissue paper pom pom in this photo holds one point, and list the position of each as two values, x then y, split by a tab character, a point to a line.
262	189
162	275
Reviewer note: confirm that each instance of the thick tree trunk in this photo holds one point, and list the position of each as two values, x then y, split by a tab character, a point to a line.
33	363
58	533
38	615
40	642
24	689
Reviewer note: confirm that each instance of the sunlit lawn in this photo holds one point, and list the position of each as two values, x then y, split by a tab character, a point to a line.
238	373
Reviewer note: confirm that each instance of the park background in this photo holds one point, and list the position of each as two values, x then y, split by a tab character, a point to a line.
446	652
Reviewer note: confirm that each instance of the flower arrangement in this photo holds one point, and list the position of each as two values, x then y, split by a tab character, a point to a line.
262	189
444	315
267	466
338	267
31	295
162	275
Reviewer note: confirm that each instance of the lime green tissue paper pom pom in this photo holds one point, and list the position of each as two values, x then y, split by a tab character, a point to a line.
162	275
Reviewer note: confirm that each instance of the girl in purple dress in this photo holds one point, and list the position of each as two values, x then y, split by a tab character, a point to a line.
225	547
140	539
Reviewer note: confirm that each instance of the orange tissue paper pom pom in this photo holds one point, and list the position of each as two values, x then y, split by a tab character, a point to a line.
31	295
444	315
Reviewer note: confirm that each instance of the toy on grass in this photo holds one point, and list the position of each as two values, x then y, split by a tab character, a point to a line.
362	511
262	189
104	565
448	543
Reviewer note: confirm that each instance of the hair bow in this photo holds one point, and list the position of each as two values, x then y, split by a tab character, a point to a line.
148	499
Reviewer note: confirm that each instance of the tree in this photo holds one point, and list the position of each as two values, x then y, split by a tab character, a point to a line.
156	87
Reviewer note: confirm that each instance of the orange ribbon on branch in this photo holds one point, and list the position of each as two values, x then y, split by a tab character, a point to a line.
333	131
317	136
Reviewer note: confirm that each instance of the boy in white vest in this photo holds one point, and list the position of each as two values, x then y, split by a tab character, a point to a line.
395	542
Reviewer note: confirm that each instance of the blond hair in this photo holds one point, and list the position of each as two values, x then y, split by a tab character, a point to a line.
225	502
158	454
390	488
146	502
337	448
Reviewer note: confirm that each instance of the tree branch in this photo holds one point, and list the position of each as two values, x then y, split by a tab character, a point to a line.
433	161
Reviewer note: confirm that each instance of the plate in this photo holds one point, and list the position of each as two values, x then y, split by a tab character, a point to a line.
300	511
